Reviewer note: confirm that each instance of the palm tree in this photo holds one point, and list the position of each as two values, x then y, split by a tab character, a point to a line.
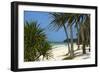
71	21
66	20
35	43
85	31
61	20
77	26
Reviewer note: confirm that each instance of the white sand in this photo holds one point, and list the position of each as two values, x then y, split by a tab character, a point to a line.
58	53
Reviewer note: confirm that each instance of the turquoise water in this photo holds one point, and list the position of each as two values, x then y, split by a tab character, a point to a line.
56	44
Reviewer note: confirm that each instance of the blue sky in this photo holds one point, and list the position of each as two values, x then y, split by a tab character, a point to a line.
44	19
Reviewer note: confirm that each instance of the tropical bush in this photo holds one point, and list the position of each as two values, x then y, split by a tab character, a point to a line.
35	42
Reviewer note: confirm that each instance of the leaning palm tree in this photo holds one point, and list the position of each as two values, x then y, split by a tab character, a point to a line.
71	21
83	29
85	32
35	43
77	26
60	20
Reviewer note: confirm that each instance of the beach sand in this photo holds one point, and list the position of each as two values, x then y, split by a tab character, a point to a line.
59	53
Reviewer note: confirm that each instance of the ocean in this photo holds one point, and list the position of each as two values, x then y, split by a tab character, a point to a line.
58	44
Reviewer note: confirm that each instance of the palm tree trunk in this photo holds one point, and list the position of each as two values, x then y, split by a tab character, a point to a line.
84	51
83	40
71	37
78	44
67	39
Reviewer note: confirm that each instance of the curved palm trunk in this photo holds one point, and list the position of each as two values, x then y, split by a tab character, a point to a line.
88	39
71	37
78	42
67	39
83	40
84	51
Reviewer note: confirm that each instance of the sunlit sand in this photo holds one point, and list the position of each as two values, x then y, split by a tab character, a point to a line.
59	53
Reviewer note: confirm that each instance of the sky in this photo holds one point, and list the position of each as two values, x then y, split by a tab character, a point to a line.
44	19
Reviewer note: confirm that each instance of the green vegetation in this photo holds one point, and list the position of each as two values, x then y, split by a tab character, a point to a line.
66	21
35	40
35	43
